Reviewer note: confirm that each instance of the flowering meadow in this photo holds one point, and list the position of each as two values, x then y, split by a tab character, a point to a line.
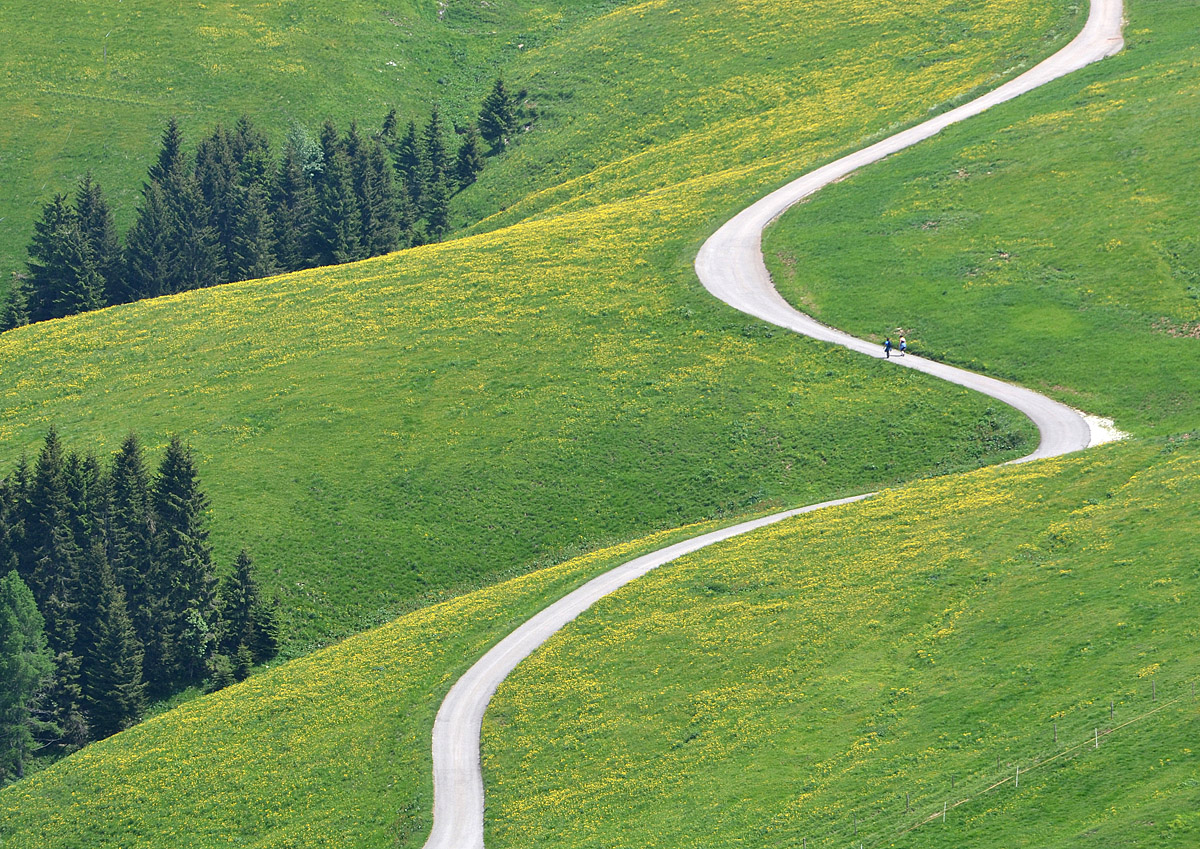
328	750
395	432
90	85
847	673
384	432
1050	242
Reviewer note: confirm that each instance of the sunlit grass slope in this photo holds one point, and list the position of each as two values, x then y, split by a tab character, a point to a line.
1052	241
377	432
89	84
660	91
328	750
780	686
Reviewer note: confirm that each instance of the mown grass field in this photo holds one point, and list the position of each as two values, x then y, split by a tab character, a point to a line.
383	433
781	686
90	85
1051	241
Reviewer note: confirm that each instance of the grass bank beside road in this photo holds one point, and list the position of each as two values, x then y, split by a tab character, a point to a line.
811	680
1050	241
382	433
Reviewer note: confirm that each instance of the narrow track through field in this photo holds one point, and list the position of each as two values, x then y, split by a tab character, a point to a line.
730	265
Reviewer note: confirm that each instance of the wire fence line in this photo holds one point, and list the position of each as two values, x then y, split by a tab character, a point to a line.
882	822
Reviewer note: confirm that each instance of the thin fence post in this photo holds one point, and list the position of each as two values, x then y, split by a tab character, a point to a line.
1110	710
1153	690
907	804
1017	780
1056	732
944	812
1097	738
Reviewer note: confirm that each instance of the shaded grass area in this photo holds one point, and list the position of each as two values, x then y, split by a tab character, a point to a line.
786	685
329	750
383	433
89	85
1050	241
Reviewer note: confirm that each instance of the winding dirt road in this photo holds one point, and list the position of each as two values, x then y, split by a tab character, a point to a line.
730	265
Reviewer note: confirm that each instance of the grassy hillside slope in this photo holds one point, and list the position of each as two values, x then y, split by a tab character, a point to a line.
89	85
1051	241
328	750
786	684
811	681
381	432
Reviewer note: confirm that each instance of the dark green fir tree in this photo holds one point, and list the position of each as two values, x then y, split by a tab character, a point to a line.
184	558
26	666
498	116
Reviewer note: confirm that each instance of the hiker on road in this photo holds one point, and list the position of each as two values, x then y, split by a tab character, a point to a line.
903	346
887	347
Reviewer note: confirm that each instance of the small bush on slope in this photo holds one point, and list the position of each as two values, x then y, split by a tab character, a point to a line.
1051	241
776	686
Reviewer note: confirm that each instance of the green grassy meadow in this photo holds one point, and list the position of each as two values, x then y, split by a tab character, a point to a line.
381	434
328	750
1050	241
778	687
89	84
420	427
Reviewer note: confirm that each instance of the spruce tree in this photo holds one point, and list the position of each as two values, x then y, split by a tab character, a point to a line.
217	179
26	665
246	620
338	221
408	163
254	237
184	557
15	312
469	161
498	116
54	581
386	233
100	234
148	247
293	201
436	160
82	286
436	210
63	279
53	568
406	215
387	132
15	552
113	692
376	194
193	257
252	153
198	260
130	552
435	180
170	154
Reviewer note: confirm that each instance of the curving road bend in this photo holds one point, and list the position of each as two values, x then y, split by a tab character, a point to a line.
730	265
